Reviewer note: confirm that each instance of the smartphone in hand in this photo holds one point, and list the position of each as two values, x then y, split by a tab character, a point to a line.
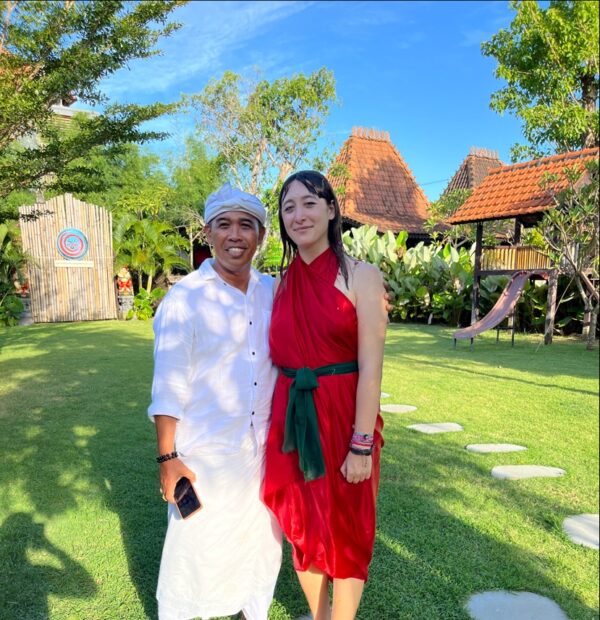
186	500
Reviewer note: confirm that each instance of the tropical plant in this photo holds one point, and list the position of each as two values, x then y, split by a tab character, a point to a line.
434	283
148	247
12	262
427	281
144	304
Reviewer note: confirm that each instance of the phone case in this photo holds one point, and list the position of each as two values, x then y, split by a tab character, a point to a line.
186	499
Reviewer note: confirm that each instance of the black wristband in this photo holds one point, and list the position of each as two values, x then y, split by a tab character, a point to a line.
167	457
361	451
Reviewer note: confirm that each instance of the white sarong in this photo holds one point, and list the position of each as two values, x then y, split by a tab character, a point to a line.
226	557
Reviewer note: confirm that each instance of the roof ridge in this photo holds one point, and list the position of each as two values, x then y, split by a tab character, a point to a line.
479	151
541	161
370	134
518	193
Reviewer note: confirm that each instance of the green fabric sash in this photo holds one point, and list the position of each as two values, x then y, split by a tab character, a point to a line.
301	423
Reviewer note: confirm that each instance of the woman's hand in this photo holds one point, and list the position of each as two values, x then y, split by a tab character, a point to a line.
388	297
356	467
170	472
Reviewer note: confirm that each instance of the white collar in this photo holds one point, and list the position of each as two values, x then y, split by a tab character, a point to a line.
207	272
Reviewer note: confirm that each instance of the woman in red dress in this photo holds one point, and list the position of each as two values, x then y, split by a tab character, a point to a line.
327	336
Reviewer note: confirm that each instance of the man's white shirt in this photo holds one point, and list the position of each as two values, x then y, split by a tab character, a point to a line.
212	369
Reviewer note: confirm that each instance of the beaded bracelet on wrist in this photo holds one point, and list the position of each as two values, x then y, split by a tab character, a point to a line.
167	457
362	438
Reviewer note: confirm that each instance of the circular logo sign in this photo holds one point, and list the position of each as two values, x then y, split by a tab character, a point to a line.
72	243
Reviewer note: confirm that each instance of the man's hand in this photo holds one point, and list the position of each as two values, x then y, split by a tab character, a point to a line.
356	467
170	472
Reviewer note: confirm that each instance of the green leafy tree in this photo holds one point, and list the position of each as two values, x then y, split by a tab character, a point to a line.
56	51
194	176
570	231
548	58
12	263
440	210
264	130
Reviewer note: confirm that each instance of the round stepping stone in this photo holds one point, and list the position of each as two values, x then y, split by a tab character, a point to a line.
503	604
397	408
384	395
440	427
485	448
519	472
582	529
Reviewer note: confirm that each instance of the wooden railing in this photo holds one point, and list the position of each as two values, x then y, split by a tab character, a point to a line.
513	258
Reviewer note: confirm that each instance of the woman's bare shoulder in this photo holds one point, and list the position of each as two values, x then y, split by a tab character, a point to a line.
363	273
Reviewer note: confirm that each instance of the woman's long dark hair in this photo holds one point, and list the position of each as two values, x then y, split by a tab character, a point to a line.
318	185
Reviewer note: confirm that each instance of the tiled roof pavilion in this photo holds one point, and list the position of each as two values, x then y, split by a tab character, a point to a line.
515	192
474	168
381	190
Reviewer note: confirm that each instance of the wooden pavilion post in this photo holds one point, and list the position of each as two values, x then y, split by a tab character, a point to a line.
476	273
551	306
517	233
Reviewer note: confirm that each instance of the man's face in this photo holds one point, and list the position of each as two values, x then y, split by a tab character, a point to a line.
234	235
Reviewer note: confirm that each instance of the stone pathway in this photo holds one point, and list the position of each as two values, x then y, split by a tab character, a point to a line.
485	448
505	605
439	427
397	408
582	530
519	472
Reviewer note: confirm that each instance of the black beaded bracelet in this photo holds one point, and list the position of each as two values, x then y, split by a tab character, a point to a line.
361	451
166	457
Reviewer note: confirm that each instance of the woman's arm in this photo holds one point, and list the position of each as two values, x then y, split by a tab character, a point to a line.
367	286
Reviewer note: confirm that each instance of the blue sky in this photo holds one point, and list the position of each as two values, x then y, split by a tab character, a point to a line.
413	69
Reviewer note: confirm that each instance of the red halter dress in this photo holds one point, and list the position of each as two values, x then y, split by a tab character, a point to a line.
329	522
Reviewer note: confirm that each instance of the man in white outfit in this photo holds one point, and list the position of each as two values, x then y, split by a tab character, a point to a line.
211	401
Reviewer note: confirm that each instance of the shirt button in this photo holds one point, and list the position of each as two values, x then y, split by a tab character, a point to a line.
253	413
255	383
253	353
250	322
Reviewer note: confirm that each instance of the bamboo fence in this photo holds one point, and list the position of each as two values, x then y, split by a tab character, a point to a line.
513	258
69	289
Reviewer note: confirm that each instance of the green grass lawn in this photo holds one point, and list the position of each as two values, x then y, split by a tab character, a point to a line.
82	520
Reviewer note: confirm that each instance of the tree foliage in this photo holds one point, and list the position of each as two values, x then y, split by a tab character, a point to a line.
147	247
194	176
12	262
56	51
570	232
263	130
461	234
548	58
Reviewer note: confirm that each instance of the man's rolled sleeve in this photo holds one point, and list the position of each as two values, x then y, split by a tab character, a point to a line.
173	341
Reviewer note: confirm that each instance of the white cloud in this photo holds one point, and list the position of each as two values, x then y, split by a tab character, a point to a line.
211	32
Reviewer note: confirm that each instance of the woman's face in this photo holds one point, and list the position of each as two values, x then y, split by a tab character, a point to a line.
306	217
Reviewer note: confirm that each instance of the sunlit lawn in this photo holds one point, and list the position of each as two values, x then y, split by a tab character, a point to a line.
83	522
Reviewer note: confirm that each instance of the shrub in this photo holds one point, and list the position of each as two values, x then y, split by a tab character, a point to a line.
145	303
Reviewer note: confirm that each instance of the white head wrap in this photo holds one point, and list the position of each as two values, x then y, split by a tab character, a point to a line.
229	198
